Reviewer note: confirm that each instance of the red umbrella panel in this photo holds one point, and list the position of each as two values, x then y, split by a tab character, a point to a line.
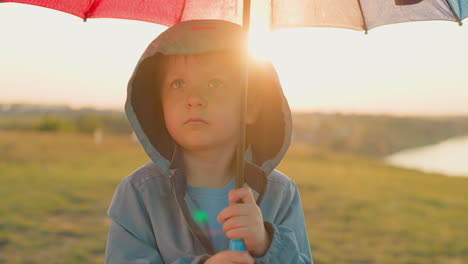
162	12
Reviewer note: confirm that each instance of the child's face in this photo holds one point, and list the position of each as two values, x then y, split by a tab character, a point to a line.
201	87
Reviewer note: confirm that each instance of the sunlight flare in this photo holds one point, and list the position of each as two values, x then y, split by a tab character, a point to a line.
260	45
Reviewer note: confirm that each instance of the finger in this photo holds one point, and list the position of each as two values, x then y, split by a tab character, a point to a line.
244	194
233	210
240	257
236	222
245	258
240	232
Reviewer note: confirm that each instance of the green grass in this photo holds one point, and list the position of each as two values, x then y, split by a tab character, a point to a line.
56	189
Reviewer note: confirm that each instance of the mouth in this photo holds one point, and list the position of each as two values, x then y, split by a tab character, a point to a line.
195	121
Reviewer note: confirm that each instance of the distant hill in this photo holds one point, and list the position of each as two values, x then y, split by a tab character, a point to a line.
375	136
368	135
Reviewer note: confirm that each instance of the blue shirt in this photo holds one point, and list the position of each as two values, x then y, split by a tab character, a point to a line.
205	204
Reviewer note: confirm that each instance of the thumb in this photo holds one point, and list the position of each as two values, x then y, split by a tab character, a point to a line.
244	194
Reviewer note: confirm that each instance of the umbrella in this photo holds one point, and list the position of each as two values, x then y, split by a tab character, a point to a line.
361	15
353	14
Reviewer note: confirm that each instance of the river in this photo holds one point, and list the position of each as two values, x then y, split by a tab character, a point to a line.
449	157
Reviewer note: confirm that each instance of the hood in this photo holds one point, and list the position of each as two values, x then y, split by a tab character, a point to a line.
267	140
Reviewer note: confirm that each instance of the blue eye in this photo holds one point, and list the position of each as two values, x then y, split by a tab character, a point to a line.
215	83
179	83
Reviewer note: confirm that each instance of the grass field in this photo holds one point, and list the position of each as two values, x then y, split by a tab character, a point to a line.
56	188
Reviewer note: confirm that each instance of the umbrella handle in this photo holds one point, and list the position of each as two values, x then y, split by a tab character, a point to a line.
236	244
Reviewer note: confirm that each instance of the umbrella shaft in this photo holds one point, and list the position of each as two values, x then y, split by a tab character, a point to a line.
246	15
243	102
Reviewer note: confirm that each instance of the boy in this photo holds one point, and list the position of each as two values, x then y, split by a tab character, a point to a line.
183	103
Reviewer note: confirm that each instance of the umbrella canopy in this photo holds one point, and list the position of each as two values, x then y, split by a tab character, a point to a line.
352	14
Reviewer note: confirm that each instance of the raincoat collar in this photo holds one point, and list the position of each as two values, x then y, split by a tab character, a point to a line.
255	178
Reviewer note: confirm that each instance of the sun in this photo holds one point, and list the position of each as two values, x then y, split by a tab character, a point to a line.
260	44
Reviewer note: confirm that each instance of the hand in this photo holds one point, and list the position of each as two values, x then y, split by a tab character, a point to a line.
245	221
230	257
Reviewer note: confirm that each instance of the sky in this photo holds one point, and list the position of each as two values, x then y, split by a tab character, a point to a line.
416	68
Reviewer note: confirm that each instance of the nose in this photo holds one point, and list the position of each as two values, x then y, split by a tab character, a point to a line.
195	99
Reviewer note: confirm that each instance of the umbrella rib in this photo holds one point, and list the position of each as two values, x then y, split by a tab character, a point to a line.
363	18
453	13
182	11
87	13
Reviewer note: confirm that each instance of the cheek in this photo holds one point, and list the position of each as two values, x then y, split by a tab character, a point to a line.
170	114
227	114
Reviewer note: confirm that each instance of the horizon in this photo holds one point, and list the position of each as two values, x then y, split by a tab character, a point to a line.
293	111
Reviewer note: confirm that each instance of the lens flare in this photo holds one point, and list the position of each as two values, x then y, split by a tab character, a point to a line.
200	216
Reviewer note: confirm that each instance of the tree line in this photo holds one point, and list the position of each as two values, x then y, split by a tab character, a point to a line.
368	135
